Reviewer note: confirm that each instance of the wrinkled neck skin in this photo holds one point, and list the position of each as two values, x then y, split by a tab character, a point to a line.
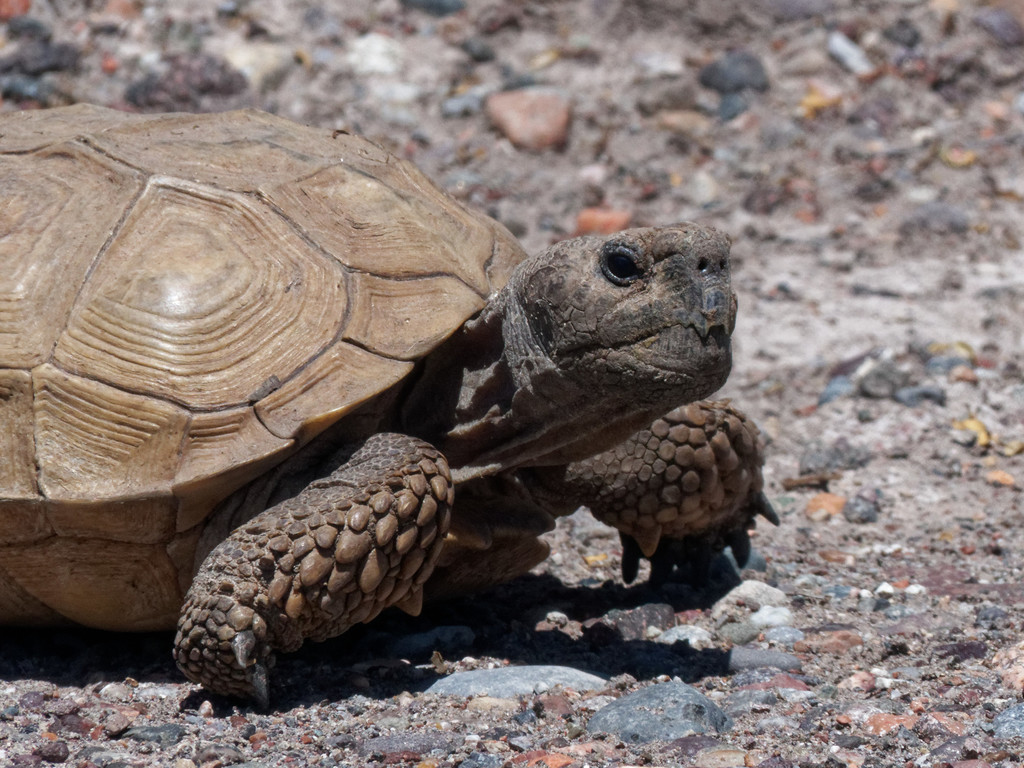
491	400
570	358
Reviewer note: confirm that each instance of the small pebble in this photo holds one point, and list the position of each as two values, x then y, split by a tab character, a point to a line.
436	7
508	682
838	386
903	32
916	395
222	754
824	506
771	616
735	71
862	508
783	635
730	106
938	218
880	378
469	102
849	54
167	734
53	751
742	657
478	49
739	632
533	119
375	54
1002	25
793	10
602	221
1010	723
660	712
842	454
697	637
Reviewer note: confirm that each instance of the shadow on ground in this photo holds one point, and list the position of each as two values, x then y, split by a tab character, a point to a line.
502	623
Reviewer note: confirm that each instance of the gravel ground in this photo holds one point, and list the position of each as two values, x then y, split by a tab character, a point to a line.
866	159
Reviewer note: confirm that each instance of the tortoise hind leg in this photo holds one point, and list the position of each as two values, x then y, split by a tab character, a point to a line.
350	544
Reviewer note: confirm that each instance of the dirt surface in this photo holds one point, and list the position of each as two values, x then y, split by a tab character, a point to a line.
874	199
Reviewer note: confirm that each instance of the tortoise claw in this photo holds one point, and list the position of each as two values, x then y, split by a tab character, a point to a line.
630	558
244	648
260	680
761	506
739	541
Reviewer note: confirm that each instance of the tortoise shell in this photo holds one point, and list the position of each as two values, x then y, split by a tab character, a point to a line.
185	300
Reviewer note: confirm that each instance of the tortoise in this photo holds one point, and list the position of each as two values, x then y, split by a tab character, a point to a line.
247	365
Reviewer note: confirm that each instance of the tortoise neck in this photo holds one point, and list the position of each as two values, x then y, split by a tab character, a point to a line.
491	399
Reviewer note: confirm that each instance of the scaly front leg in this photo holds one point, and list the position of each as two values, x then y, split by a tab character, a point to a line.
352	543
678	492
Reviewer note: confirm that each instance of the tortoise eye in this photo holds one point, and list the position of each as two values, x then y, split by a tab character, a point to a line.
620	265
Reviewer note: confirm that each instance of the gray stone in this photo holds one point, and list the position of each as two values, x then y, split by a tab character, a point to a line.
1002	25
732	105
103	757
881	379
783	635
508	682
914	396
862	508
753	700
410	741
903	32
937	217
842	454
734	72
660	713
792	10
436	7
469	102
776	724
167	734
838	386
633	624
1010	722
756	658
739	632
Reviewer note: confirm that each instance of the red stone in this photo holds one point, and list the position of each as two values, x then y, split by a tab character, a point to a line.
881	723
601	221
530	118
11	8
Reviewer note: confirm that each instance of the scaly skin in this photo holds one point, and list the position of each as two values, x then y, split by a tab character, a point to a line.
678	492
361	539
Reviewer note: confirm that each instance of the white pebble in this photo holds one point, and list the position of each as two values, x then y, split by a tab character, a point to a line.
849	54
772	616
885	588
375	54
698	637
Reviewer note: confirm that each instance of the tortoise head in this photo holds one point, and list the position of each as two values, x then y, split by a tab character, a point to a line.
641	319
596	336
